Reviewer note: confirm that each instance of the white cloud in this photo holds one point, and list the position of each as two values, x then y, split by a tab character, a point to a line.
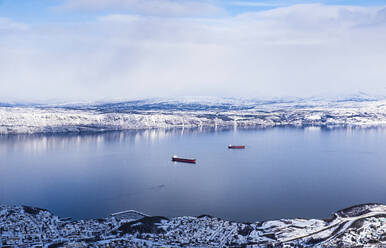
259	4
7	25
148	7
299	50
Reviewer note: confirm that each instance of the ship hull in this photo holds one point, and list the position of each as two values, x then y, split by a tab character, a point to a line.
236	147
184	160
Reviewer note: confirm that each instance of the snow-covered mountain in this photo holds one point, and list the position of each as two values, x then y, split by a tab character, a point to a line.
201	112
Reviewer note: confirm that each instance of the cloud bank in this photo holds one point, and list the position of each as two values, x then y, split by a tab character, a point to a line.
298	50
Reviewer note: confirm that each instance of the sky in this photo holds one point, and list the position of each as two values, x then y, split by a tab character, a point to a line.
90	50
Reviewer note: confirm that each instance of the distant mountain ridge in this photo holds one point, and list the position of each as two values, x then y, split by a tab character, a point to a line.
195	103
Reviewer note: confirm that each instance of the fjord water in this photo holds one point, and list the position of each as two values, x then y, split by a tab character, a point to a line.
283	172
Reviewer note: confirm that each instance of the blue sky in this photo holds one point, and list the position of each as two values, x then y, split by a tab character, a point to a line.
45	10
39	11
64	50
264	5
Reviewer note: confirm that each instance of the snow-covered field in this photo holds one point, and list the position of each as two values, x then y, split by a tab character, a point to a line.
358	226
191	113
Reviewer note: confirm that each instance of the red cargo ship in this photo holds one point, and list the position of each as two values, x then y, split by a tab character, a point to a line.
183	160
236	147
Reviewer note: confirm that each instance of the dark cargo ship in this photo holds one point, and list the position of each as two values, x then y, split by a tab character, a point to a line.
235	147
183	160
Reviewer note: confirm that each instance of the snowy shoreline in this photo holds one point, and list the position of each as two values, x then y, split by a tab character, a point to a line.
23	226
140	116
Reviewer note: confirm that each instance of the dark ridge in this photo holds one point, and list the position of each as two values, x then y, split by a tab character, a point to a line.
66	219
61	244
10	213
33	210
270	236
204	215
357	210
245	231
314	241
259	223
144	225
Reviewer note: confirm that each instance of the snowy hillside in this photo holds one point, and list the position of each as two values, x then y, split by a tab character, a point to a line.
22	226
191	113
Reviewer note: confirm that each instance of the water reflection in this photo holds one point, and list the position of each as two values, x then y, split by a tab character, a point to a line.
284	172
40	143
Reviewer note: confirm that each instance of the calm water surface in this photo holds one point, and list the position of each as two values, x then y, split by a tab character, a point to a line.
283	173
